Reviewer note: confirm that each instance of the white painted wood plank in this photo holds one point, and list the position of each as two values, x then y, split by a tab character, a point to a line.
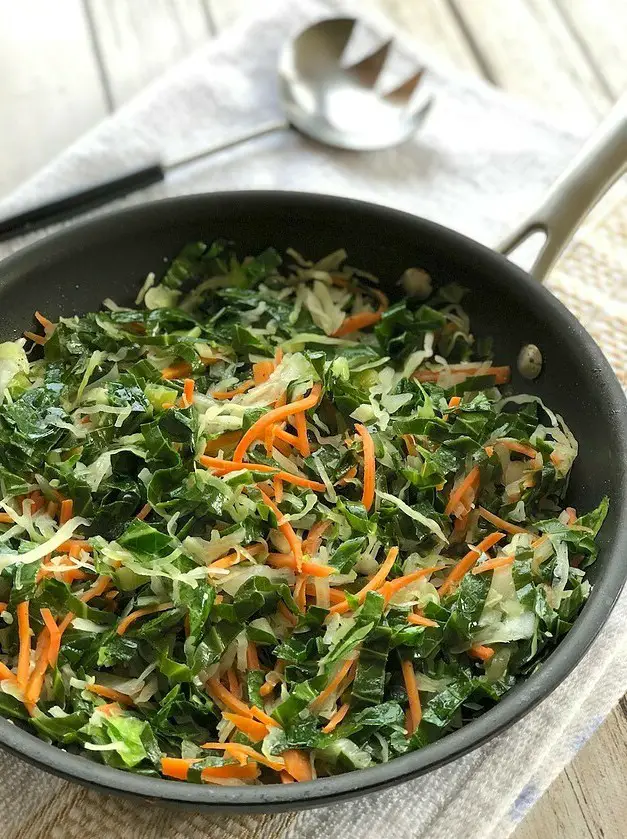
529	51
139	39
50	90
587	800
601	25
430	22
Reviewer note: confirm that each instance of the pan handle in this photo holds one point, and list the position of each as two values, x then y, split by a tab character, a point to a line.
601	161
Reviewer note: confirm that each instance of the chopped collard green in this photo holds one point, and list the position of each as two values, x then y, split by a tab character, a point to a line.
267	526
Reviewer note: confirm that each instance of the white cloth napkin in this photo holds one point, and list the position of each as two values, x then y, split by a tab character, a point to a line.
477	165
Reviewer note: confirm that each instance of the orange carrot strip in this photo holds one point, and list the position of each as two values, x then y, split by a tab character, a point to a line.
266	719
276	415
36	339
188	392
491	564
300	424
489	450
333	684
140	613
55	636
278	489
297	764
481	652
471	479
248	772
5	673
300	595
515	446
369	465
415	710
287	530
98	588
572	515
254	730
262	371
286	436
23	660
234	685
356	323
393	586
224	466
218	692
145	510
336	719
269	439
507	526
222	395
110	693
109	709
336	595
177	767
67	506
420	620
466	562
36	680
227	440
285	777
74	547
311	569
454	401
314	537
48	325
176	371
501	374
373	584
285	612
237	749
5	518
410	444
252	658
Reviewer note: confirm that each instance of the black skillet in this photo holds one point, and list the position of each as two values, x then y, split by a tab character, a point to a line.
109	257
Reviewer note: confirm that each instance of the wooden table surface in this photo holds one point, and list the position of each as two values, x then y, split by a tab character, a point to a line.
64	65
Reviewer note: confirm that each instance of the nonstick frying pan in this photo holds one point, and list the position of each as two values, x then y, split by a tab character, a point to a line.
108	257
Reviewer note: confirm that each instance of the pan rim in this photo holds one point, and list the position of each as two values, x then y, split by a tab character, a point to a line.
512	708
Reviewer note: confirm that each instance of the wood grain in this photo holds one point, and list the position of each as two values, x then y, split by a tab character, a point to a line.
528	50
50	90
136	41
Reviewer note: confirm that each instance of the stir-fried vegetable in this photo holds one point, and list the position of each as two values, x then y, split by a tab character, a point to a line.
267	526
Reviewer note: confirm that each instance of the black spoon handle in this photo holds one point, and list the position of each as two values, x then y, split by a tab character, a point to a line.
75	203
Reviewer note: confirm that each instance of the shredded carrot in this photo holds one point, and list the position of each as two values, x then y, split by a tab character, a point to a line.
300	424
285	613
248	772
23	660
237	750
492	564
314	538
369	465
285	777
394	586
55	636
176	371
501	374
188	392
554	458
261	715
266	689
489	450
470	482
3	606
228	440
48	325
355	323
5	673
454	401
335	594
252	658
234	686
507	526
225	466
5	518
140	613
225	561
278	414
515	446
36	339
109	709
285	436
278	356
373	584
336	719
297	764
287	530
51	509
262	371
36	680
420	620
254	730
347	476
278	489
572	515
110	693
145	510
167	406
67	507
177	767
466	562
218	692
311	569
334	683
481	652
410	444
415	710
300	594
269	439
